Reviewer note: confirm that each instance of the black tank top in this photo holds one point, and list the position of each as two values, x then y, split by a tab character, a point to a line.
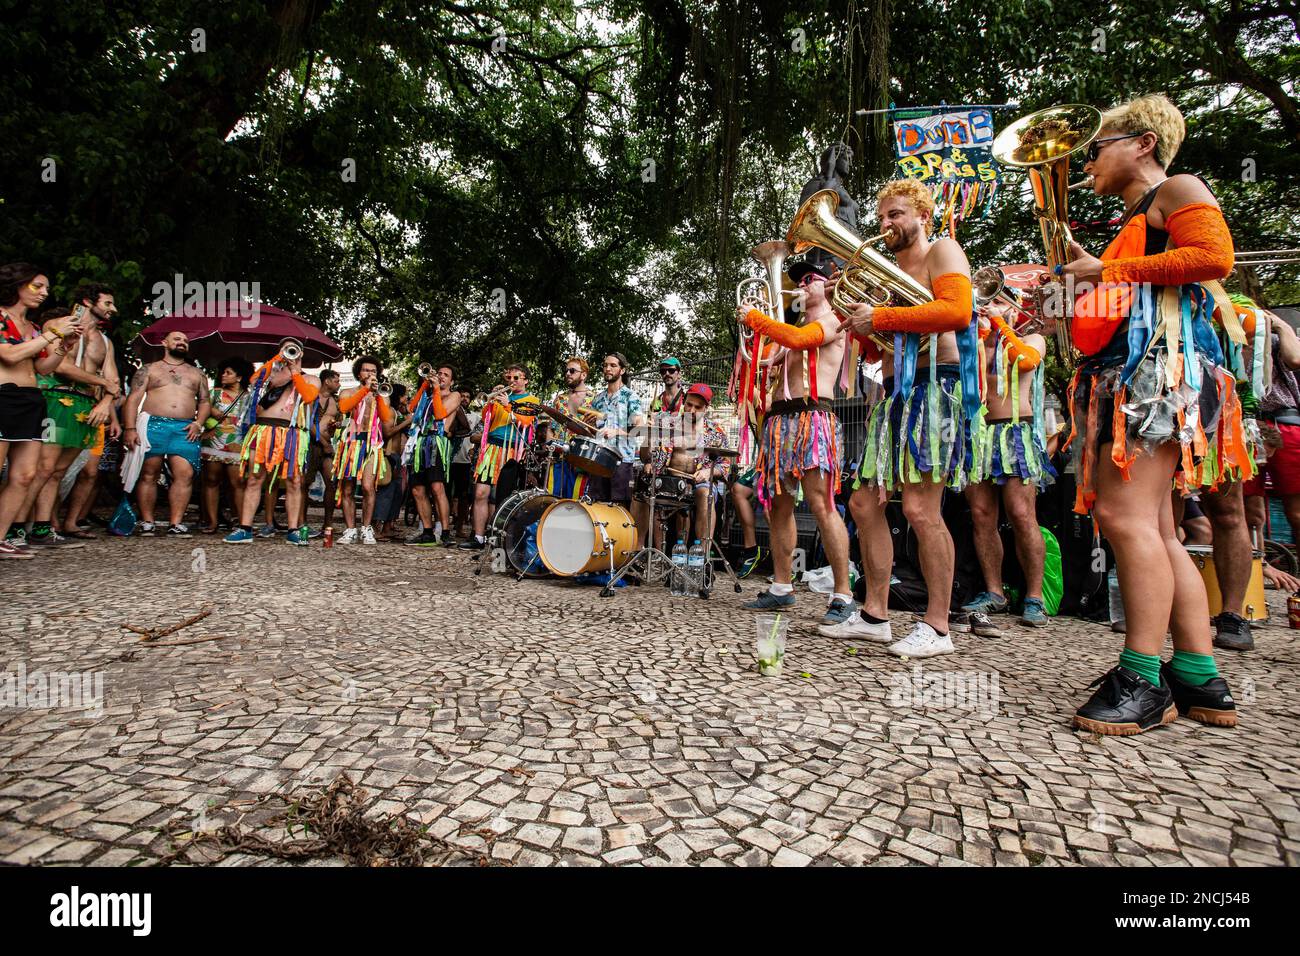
1156	239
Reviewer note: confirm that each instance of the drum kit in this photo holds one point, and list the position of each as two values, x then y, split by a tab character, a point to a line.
539	535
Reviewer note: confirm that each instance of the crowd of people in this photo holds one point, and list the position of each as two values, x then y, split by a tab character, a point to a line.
1201	410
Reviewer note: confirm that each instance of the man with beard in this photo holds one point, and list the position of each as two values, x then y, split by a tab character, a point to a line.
562	479
360	454
429	451
801	447
277	443
173	394
618	411
79	401
918	437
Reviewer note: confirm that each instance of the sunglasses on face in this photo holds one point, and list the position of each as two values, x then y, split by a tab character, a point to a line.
514	378
1094	148
573	371
669	371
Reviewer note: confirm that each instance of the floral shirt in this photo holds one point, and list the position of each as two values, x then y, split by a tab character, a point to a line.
619	411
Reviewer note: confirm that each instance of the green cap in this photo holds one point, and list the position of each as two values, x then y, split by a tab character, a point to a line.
675	363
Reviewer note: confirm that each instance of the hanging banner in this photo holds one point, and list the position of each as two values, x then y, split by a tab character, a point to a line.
952	152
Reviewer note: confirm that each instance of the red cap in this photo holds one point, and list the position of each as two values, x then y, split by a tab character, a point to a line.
703	391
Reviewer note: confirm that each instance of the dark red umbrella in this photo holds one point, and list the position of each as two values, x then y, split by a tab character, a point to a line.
220	330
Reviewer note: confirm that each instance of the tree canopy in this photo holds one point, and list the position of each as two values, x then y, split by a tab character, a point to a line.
477	180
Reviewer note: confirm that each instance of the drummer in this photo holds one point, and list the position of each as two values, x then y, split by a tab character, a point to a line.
686	442
618	419
562	479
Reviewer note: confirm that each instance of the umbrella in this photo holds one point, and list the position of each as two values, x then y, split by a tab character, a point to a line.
220	330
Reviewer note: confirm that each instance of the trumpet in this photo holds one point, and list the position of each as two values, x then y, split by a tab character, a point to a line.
291	351
426	371
381	387
482	399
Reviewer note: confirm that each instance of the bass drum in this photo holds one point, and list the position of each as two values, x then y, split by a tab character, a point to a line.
570	542
510	529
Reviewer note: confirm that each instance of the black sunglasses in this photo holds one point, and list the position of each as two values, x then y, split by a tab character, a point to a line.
1094	148
573	371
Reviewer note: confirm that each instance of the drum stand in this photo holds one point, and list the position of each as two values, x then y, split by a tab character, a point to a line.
710	558
647	554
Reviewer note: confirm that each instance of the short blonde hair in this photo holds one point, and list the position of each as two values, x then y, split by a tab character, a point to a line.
915	193
1155	113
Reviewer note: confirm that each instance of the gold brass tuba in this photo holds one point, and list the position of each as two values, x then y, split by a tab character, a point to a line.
1042	144
867	276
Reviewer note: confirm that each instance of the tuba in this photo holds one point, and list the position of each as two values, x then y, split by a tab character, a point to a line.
764	293
867	276
1042	144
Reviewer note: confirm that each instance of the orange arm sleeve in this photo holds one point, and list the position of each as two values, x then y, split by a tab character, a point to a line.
424	386
949	312
382	409
800	339
1204	251
306	389
439	409
1027	357
352	401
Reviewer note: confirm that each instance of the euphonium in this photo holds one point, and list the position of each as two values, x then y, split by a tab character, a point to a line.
867	276
764	293
291	351
1041	144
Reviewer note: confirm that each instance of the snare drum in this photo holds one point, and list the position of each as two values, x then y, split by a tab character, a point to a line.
570	542
510	529
1256	606
591	457
673	489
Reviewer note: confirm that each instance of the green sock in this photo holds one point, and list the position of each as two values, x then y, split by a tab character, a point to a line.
1194	669
1146	666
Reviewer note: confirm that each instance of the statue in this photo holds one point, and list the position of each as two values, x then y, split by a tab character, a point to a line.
834	167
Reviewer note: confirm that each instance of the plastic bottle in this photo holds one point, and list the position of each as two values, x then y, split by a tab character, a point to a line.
695	569
1116	598
678	587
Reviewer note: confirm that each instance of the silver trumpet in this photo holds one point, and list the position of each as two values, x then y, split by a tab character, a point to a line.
291	351
426	371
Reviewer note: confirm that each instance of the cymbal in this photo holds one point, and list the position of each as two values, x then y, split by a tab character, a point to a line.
568	421
719	452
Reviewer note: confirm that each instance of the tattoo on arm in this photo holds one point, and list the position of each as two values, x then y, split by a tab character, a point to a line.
204	394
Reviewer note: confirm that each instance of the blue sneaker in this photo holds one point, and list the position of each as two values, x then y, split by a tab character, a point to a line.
239	536
839	612
767	601
301	537
750	562
266	531
1035	613
987	603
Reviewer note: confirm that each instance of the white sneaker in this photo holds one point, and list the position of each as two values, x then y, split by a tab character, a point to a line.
924	641
348	537
855	626
368	535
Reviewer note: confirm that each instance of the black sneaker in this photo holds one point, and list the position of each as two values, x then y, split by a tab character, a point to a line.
982	625
959	621
472	544
425	539
1211	703
749	562
1126	703
1232	632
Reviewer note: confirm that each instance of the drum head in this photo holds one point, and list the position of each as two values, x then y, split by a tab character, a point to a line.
511	527
567	537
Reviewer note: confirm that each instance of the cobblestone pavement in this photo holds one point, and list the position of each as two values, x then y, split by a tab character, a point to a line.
565	729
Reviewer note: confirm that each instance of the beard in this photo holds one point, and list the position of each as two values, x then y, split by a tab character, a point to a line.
902	238
183	353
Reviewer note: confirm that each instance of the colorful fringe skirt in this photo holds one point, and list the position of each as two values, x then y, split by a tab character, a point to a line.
431	458
269	447
355	456
1147	412
797	437
565	481
1003	450
922	435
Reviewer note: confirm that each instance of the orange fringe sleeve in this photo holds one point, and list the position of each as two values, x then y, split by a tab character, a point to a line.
306	389
439	409
949	312
382	409
1027	357
1204	251
352	401
799	338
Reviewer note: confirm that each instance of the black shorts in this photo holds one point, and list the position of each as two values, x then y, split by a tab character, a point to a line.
429	476
509	480
22	413
462	481
617	489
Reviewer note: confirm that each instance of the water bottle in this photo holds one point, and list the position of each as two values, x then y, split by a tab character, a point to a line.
679	568
1116	598
695	569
